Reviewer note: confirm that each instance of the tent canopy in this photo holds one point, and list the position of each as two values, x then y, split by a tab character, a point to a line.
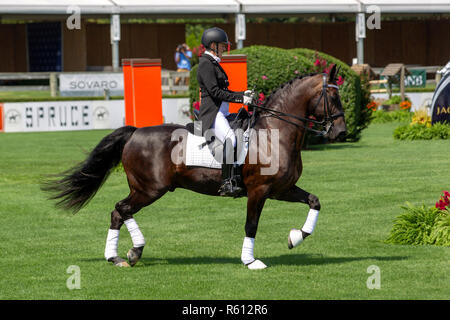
217	7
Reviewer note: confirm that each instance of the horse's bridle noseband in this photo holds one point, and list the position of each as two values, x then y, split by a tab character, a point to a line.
326	123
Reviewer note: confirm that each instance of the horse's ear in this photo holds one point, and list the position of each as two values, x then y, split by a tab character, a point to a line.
332	73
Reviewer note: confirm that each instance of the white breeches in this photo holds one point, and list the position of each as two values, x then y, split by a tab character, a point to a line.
221	126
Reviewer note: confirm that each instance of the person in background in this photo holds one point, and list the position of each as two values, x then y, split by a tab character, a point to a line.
183	55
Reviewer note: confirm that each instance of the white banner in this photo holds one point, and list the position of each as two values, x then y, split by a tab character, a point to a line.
81	115
91	84
63	115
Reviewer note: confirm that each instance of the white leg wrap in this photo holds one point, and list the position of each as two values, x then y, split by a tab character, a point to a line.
136	235
311	221
112	242
247	250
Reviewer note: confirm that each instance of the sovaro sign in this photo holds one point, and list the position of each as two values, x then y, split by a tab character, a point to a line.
90	84
63	115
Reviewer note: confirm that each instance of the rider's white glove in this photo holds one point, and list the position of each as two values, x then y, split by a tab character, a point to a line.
249	95
248	100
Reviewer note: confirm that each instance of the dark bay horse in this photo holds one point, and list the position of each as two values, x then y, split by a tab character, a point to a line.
146	157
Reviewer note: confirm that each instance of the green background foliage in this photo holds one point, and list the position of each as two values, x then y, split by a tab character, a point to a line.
381	116
420	226
422	132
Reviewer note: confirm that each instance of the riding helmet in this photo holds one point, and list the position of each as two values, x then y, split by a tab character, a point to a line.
214	35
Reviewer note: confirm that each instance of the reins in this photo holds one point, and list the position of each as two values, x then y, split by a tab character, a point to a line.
327	122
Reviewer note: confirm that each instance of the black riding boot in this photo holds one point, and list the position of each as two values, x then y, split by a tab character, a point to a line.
231	177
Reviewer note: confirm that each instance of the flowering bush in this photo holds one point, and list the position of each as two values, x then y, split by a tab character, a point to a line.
372	105
420	128
444	201
405	105
423	225
421	117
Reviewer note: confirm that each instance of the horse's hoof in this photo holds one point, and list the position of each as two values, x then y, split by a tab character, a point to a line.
295	238
256	265
119	262
134	254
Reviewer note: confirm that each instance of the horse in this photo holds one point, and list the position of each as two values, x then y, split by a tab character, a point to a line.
145	154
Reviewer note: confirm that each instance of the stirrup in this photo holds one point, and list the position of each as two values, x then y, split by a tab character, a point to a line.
229	188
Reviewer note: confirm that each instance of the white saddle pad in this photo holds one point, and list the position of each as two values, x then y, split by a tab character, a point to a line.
198	153
197	156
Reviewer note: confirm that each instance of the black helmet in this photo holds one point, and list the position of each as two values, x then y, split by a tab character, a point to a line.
214	35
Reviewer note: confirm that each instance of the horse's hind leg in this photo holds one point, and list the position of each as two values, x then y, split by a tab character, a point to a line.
112	241
295	194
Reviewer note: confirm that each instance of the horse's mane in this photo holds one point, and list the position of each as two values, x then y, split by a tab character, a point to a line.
278	92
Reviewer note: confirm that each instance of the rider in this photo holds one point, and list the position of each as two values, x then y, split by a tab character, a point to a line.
213	82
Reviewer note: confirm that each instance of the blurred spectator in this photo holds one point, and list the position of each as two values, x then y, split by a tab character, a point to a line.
183	55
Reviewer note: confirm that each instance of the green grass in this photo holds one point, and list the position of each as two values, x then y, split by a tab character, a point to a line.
194	241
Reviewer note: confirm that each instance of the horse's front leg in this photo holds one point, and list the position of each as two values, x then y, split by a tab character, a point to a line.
255	204
295	194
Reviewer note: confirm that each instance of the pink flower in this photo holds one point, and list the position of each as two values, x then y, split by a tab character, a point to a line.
323	63
196	105
317	63
264	77
444	201
340	81
295	57
296	71
261	98
440	205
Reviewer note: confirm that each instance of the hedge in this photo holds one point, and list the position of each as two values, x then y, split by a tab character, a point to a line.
423	132
270	67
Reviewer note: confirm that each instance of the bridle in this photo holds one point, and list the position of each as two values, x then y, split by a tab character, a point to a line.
326	123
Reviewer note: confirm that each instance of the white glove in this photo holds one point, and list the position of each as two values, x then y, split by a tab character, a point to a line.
249	95
247	100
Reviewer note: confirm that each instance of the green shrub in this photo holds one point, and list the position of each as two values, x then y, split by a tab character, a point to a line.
422	132
270	67
381	116
421	225
395	100
440	234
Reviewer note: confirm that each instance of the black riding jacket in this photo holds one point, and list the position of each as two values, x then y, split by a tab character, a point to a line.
213	82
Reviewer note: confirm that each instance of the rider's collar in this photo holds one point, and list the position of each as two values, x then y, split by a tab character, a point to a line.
212	55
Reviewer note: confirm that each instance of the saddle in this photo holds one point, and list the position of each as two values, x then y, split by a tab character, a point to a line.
240	120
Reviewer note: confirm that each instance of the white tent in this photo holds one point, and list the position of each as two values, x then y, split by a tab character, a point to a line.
195	7
187	8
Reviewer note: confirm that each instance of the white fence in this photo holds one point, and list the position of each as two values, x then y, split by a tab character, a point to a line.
89	83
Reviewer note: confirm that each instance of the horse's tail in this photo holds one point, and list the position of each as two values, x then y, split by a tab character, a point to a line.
78	185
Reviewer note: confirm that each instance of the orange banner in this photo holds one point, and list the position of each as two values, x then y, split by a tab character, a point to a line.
142	92
235	66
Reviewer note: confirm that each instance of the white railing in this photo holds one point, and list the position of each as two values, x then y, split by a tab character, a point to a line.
172	82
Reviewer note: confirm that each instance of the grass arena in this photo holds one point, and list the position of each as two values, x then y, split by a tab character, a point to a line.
194	241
